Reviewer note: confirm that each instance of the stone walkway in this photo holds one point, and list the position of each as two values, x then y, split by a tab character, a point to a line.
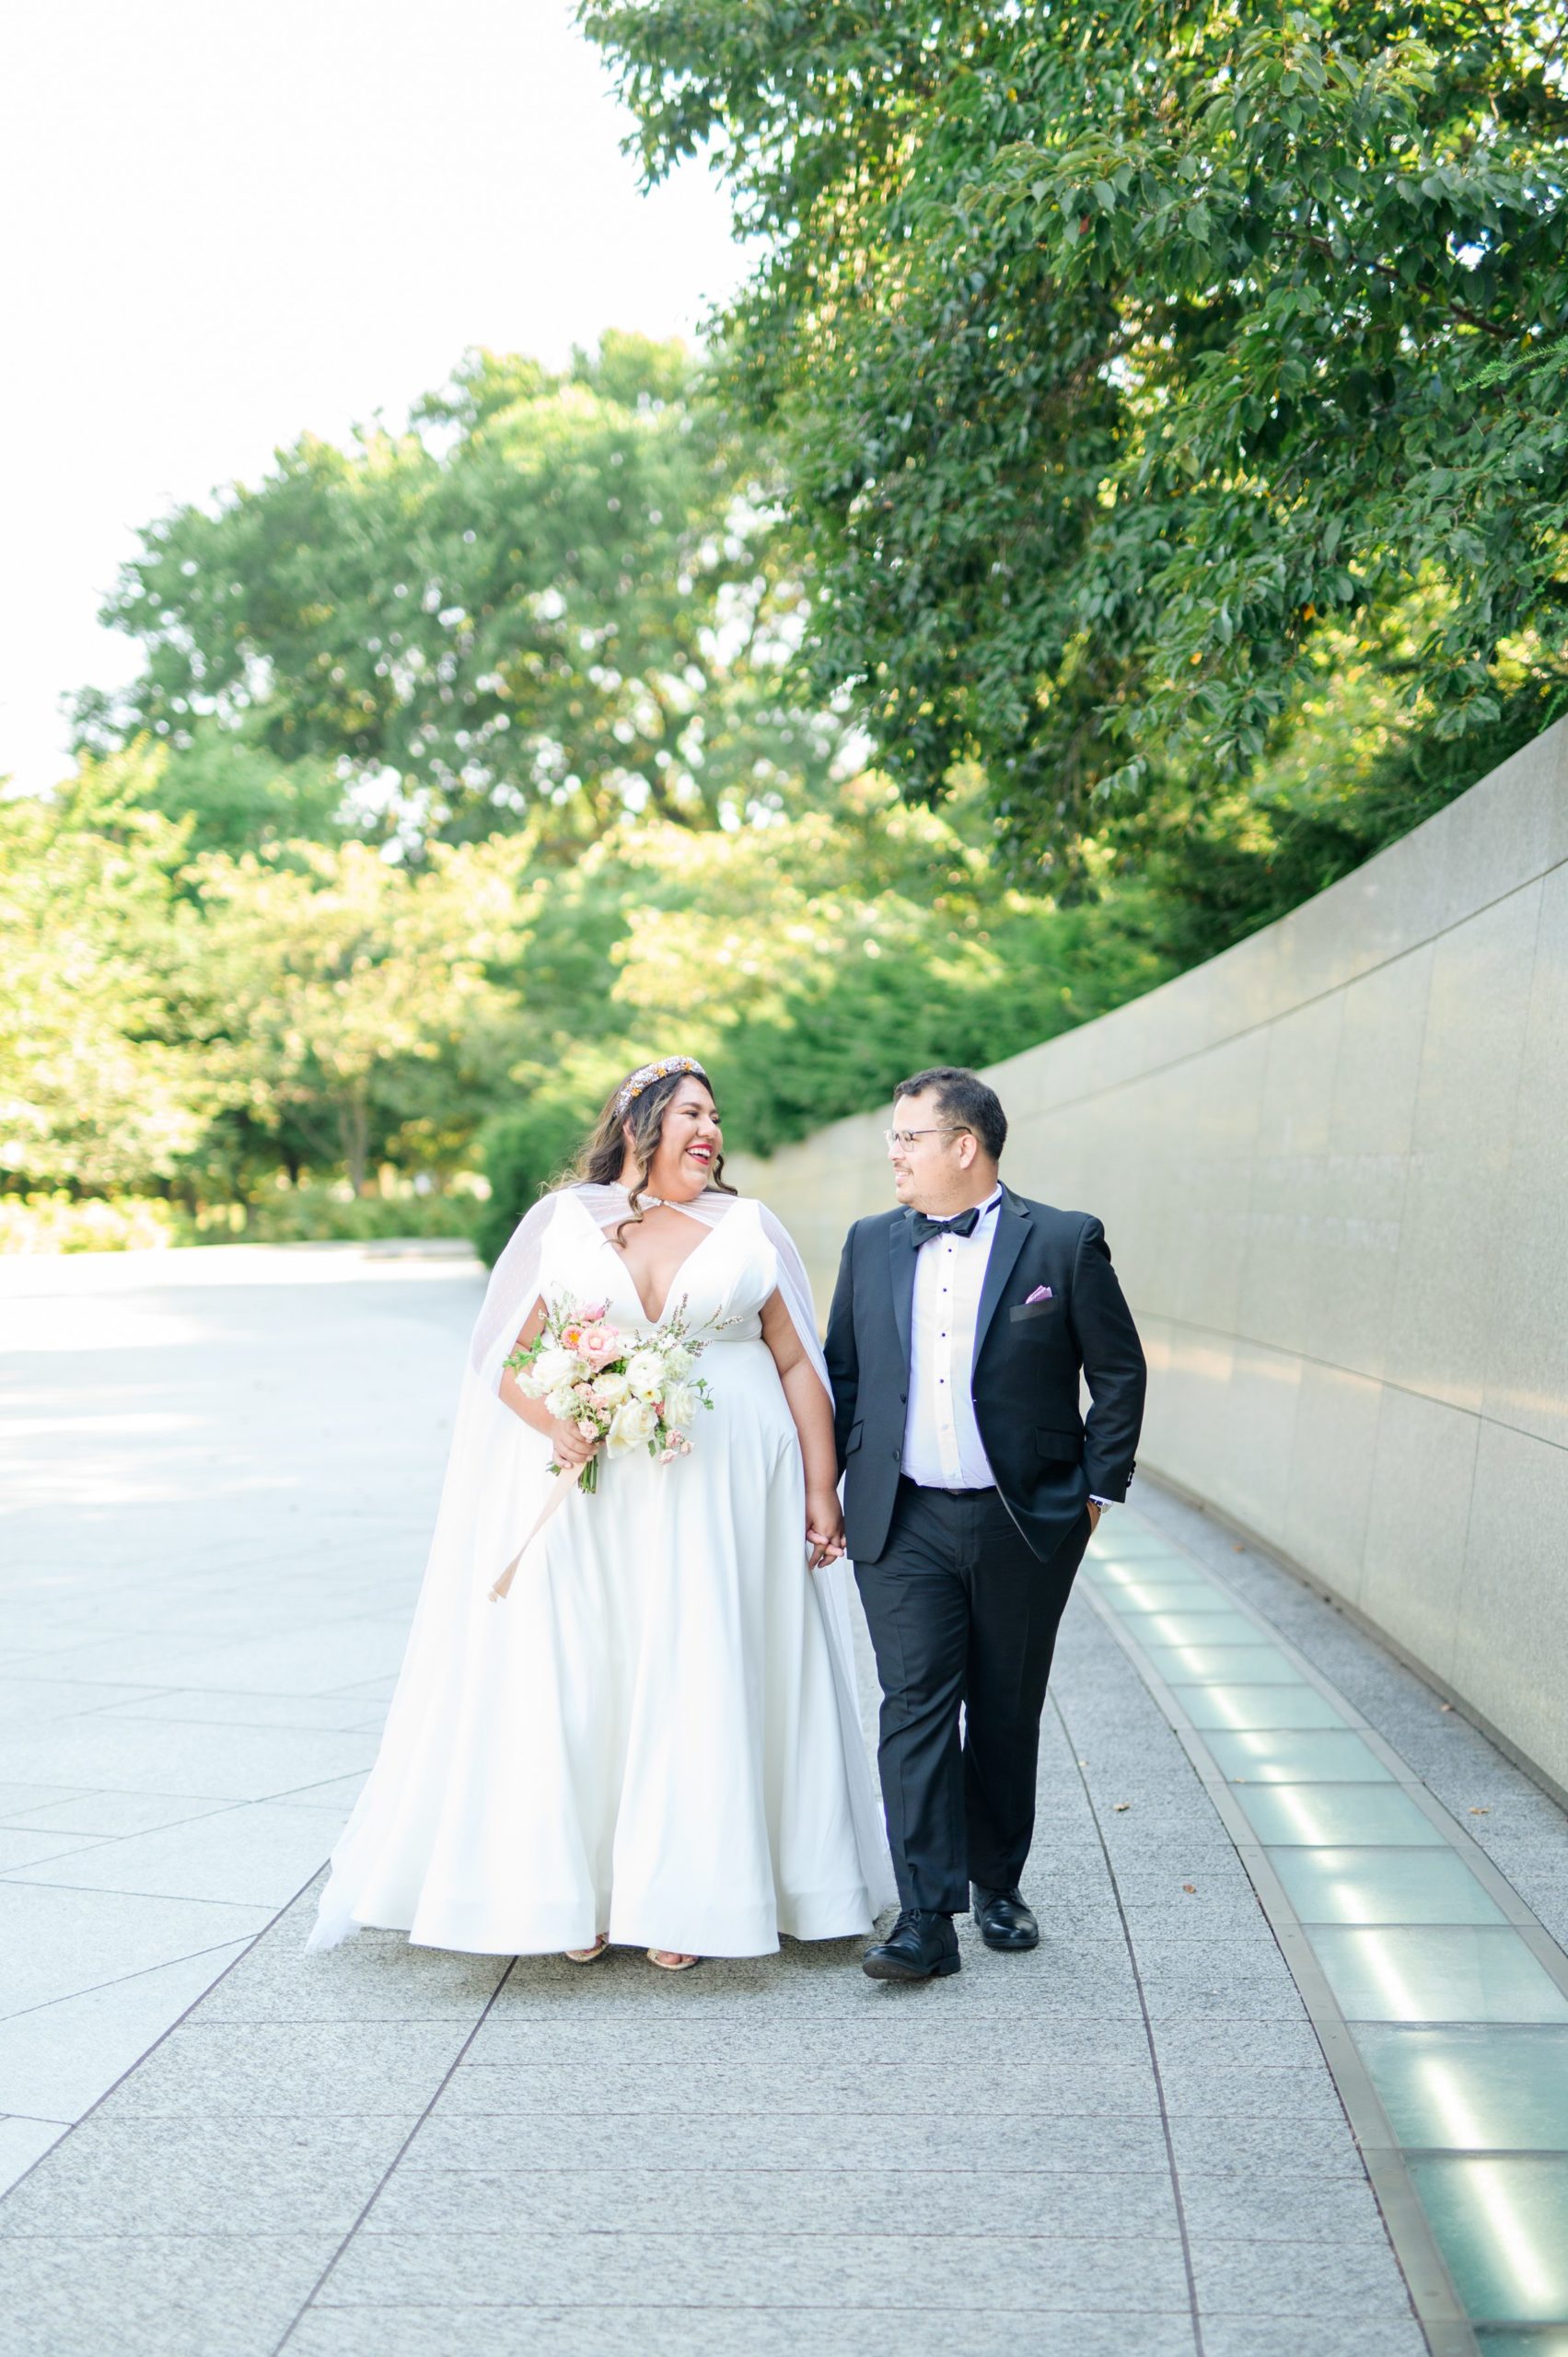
1125	2145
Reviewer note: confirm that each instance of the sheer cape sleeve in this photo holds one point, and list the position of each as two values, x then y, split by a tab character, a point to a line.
511	1293
795	1291
461	1650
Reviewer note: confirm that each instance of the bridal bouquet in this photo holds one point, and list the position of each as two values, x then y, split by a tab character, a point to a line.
628	1393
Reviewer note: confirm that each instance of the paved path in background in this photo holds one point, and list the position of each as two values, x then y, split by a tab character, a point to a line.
217	1473
1126	2145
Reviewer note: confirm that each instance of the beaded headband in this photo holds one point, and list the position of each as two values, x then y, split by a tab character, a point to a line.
647	1074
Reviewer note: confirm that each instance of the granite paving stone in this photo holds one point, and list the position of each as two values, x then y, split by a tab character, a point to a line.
23	1854
227	1706
1228	2146
365	1981
56	1943
102	1813
975	2201
23	2141
216	1763
758	2269
294	2175
256	1855
1255	2336
16	1800
395	2151
1262	2210
1348	2280
694	2331
343	2067
1203	2040
1202	1913
1199	2091
893	2039
152	2295
1092	2144
715	2089
59	2059
1248	1988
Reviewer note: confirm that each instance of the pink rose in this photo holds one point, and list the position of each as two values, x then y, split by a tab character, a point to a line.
599	1344
593	1313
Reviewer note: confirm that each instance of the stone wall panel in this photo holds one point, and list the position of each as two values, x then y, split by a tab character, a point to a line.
1333	1166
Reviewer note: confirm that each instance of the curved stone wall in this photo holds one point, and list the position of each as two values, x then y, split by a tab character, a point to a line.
1333	1167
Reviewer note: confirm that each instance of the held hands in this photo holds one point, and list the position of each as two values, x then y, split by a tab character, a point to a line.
824	1529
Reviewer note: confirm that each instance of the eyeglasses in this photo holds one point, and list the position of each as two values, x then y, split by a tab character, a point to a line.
908	1137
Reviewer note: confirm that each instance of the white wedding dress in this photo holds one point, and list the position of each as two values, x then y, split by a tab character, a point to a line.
655	1734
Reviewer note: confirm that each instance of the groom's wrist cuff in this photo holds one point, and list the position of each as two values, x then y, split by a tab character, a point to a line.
1103	1502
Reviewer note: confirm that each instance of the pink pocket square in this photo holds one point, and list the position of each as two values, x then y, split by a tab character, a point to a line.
1040	1292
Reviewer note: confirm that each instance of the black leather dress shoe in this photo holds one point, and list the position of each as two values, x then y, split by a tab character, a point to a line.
921	1946
1005	1922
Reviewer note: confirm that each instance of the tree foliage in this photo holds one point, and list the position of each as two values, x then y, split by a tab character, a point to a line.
345	1001
810	965
198	1025
97	1088
560	594
1120	350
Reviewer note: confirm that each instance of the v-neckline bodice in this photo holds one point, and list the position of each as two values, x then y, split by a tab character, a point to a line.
684	1262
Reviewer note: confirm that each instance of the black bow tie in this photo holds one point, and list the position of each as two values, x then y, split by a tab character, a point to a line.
922	1229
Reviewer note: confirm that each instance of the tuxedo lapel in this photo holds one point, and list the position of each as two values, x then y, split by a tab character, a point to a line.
1012	1228
901	1253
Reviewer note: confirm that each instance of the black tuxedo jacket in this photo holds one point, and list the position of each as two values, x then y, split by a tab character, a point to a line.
1025	1378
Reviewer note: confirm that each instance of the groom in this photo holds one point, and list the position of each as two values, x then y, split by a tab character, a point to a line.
960	1326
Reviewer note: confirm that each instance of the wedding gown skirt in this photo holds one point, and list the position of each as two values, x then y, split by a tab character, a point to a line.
655	1736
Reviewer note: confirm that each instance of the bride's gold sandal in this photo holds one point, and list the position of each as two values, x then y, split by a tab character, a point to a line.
669	1961
590	1956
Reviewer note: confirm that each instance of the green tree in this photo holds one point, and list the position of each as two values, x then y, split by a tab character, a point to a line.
325	985
557	595
98	1090
1119	350
810	964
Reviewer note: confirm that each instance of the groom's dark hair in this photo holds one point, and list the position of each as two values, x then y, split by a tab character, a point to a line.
963	1098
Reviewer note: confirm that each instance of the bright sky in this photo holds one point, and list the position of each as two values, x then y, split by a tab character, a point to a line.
227	222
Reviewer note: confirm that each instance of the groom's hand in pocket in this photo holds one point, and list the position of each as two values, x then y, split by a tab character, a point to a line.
824	1529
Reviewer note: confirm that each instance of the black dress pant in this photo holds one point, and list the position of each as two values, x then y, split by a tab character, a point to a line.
961	1611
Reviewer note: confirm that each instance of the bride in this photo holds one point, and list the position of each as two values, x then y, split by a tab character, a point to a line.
654	1741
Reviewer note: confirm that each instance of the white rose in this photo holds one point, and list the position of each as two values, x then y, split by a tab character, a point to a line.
610	1390
562	1402
633	1426
679	1404
552	1368
529	1384
677	1361
644	1373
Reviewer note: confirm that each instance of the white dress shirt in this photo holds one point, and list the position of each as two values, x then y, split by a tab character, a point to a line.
942	1449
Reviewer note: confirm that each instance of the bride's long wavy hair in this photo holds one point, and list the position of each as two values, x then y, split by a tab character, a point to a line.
604	1152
